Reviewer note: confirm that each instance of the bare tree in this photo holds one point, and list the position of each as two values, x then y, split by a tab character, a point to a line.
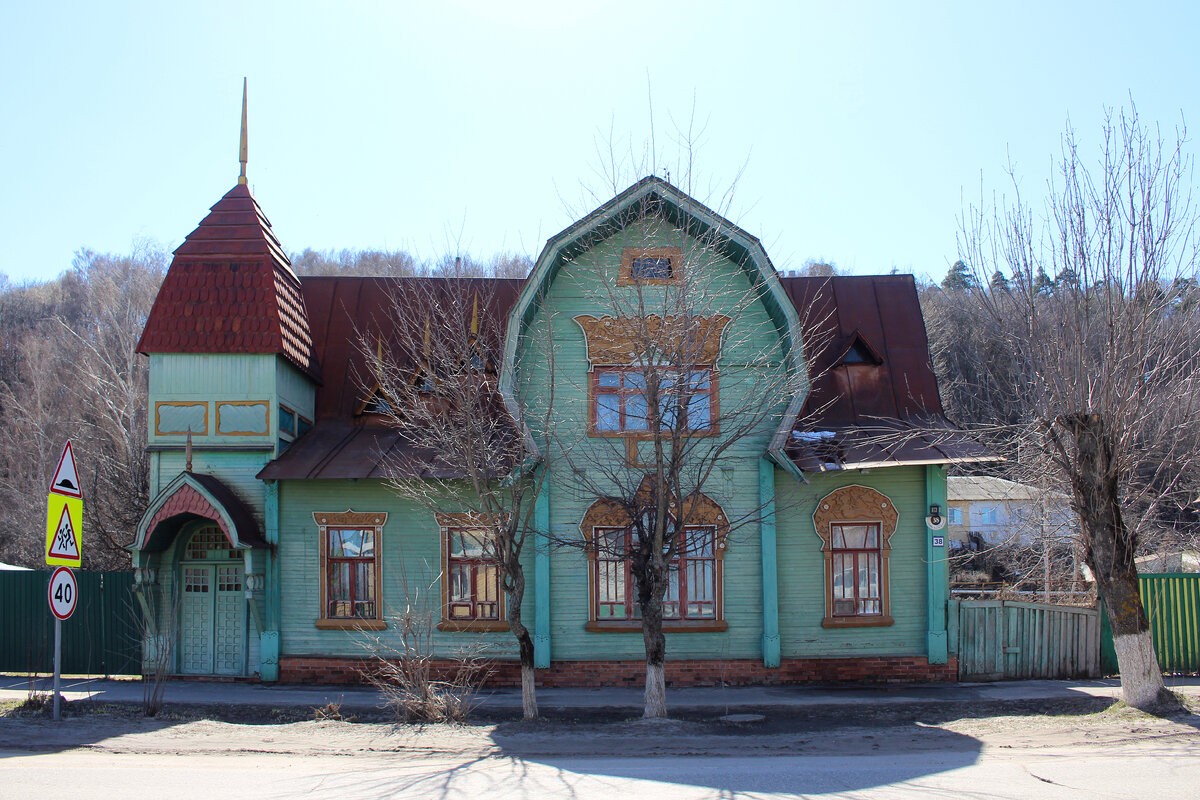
436	385
70	371
680	319
1101	360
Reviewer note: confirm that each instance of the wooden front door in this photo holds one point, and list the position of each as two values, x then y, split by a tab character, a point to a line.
212	635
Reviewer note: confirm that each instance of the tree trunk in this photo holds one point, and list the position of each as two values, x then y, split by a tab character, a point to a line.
1109	548
655	700
516	594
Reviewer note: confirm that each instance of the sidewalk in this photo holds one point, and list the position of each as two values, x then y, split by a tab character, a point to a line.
721	700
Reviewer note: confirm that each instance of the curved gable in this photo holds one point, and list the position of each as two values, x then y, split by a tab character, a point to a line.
697	221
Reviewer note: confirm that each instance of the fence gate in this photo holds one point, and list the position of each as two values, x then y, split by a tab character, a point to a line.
1007	640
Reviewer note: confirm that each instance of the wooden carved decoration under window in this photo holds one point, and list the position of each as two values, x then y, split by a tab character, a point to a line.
623	340
856	524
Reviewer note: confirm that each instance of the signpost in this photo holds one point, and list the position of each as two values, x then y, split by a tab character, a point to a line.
64	549
63	594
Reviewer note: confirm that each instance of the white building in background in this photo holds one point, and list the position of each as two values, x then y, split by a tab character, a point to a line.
997	511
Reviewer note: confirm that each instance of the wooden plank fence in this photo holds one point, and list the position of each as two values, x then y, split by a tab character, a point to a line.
1009	640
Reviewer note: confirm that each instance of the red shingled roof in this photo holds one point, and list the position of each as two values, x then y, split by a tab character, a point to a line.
231	289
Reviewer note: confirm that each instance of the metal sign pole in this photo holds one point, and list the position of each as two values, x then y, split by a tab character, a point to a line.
57	656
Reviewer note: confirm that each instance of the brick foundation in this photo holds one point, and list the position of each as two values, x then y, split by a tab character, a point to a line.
739	672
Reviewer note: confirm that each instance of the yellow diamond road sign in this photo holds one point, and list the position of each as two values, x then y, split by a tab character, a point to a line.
64	531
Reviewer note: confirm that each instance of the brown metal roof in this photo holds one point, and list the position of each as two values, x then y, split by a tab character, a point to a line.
346	311
876	414
231	289
881	411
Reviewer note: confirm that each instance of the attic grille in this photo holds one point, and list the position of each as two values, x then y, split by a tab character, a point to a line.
651	268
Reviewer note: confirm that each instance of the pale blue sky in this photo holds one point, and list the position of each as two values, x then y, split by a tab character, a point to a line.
477	126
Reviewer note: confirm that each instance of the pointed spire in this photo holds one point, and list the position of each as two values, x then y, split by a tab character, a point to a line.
188	451
243	152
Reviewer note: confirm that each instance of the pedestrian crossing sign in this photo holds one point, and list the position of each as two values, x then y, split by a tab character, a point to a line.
64	531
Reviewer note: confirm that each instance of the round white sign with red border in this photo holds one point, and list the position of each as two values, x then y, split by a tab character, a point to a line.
63	593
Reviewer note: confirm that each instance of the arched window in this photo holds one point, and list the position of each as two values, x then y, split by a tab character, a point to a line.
694	595
855	524
208	543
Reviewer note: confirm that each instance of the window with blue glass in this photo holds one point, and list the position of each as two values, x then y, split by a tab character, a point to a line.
621	399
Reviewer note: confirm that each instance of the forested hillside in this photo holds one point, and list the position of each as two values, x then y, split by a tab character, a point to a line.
68	370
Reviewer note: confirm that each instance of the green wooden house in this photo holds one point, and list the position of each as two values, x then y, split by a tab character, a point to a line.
274	541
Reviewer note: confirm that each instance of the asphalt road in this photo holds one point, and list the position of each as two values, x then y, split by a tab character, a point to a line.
1164	769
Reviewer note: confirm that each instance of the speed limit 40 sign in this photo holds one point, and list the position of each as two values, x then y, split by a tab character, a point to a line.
63	592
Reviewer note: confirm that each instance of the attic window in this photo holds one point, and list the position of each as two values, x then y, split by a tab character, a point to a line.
649	265
860	352
857	355
651	268
377	404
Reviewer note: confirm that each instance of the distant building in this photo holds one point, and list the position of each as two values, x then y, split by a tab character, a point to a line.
1181	561
993	511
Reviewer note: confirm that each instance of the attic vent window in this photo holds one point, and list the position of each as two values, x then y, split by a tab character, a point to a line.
857	355
653	265
377	404
647	268
860	352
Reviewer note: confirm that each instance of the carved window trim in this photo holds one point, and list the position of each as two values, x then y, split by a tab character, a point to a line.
862	505
625	275
266	430
350	519
447	524
605	514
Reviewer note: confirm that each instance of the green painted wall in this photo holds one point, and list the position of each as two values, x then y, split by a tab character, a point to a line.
587	286
802	576
410	567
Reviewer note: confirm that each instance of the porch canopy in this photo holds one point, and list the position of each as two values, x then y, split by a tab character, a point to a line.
191	497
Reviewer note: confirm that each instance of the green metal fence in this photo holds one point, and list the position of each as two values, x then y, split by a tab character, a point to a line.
1172	602
100	638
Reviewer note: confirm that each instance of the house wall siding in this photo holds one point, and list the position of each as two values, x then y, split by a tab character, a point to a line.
802	567
410	568
583	286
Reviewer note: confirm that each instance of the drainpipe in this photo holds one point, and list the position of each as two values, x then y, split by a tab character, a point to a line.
770	567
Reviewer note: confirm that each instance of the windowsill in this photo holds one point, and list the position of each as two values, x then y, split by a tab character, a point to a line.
669	626
878	621
351	624
646	436
472	625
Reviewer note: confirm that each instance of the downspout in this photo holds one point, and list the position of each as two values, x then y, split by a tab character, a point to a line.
268	639
770	565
